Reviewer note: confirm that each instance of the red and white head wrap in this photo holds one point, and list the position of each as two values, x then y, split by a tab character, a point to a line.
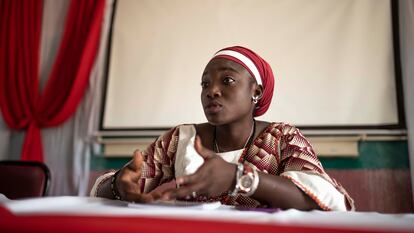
258	68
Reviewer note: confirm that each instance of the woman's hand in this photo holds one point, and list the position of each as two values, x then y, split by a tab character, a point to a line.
213	178
127	181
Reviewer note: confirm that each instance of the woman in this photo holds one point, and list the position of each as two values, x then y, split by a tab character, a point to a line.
232	158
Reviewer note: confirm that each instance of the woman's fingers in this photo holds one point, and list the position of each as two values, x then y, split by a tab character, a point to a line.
199	189
131	192
185	180
197	182
214	177
127	181
136	162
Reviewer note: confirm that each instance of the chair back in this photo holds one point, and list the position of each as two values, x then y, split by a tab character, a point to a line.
23	179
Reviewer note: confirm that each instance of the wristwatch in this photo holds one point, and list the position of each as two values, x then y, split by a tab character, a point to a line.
247	180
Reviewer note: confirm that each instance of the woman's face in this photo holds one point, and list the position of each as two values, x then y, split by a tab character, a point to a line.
227	90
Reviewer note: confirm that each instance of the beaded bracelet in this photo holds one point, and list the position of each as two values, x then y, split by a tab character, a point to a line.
114	190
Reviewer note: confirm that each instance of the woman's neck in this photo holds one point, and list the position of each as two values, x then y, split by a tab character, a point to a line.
233	136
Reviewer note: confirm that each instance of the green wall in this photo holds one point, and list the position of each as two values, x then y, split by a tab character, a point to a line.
373	155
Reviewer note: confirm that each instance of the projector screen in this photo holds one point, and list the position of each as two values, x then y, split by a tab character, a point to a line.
333	60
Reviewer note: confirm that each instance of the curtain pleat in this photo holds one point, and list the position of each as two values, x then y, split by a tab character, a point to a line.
19	61
22	105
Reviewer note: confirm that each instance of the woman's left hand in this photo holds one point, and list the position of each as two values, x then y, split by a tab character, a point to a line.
212	178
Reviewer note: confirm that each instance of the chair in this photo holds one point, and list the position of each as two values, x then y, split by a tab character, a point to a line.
23	179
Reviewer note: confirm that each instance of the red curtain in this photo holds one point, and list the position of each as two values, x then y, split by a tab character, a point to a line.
22	104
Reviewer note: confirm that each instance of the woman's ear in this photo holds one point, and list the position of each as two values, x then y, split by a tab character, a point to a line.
258	91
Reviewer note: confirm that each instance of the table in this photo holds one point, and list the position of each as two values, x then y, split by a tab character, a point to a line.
87	214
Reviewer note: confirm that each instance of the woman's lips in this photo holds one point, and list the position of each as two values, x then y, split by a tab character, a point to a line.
213	108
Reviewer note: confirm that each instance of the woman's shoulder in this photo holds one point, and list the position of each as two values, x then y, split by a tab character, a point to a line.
283	127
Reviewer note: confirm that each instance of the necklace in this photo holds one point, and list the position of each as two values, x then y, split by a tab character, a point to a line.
248	141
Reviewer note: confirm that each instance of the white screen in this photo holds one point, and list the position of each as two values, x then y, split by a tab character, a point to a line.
332	60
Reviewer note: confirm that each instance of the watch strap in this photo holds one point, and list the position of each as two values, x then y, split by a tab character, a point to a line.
239	173
245	170
255	183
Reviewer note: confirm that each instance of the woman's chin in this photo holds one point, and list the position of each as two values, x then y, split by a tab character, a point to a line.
214	120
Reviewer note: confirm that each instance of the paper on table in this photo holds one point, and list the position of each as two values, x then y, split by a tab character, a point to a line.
178	204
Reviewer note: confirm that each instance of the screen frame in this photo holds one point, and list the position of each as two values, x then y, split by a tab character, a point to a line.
380	129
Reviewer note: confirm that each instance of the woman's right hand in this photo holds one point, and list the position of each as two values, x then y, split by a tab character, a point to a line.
127	181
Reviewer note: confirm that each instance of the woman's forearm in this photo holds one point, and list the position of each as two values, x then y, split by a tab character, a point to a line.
280	192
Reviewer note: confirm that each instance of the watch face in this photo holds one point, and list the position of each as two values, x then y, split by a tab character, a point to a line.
246	183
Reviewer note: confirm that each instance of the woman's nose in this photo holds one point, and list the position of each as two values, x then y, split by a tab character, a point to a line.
213	91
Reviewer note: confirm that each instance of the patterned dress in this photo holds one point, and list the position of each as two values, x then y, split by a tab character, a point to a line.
280	150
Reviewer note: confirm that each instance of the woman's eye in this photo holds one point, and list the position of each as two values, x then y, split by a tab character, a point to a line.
204	84
228	80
